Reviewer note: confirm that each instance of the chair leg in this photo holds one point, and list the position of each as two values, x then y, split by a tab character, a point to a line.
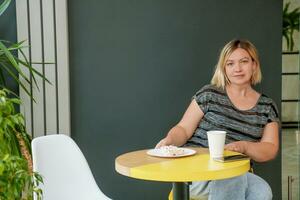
171	195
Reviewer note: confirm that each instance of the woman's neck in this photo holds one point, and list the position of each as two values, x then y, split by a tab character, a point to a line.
243	98
237	90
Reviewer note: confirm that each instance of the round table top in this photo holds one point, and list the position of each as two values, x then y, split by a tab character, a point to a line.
138	164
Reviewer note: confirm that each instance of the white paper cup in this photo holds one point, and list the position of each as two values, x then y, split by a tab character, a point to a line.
216	142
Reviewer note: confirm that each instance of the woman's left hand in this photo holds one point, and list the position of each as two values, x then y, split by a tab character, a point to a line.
240	146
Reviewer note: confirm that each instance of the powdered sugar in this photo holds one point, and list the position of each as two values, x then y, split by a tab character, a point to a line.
171	150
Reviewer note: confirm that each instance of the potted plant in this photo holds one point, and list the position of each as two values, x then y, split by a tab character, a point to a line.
17	180
290	24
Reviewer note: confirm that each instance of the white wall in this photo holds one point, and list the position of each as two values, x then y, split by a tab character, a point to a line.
43	24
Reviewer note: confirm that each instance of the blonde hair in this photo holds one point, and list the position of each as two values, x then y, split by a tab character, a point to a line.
220	78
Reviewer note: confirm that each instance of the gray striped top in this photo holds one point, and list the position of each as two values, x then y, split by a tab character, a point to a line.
221	114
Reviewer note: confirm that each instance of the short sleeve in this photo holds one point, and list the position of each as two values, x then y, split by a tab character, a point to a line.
273	115
202	98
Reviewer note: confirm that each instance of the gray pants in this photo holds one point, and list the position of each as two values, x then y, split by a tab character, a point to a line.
246	187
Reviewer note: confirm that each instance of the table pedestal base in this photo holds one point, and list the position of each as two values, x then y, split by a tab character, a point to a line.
181	191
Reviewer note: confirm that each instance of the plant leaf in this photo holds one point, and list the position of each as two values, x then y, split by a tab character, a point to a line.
16	79
4	6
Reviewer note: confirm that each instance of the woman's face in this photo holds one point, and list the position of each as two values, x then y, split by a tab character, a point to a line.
239	67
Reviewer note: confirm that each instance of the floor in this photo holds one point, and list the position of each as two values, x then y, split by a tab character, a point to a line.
290	162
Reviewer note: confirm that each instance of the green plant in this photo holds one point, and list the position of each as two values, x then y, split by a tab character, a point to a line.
17	180
12	59
290	24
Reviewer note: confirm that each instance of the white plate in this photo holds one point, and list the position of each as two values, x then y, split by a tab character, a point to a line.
161	153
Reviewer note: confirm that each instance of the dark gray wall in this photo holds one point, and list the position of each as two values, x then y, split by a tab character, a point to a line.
8	27
135	65
8	31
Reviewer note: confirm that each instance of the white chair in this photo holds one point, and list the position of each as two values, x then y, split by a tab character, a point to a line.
64	169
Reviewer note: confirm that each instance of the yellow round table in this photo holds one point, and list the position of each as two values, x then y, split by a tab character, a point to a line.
180	171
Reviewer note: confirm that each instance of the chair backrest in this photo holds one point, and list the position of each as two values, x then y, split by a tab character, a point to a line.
64	169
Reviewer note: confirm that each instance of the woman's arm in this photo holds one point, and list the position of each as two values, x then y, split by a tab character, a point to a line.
181	132
261	151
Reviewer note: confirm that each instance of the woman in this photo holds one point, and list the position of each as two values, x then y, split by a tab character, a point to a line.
250	119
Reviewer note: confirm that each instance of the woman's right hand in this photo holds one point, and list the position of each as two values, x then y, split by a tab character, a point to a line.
184	130
163	142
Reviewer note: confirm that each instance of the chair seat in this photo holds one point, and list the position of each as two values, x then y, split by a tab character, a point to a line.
65	171
171	197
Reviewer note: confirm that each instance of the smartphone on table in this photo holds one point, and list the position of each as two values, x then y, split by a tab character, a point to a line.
231	158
